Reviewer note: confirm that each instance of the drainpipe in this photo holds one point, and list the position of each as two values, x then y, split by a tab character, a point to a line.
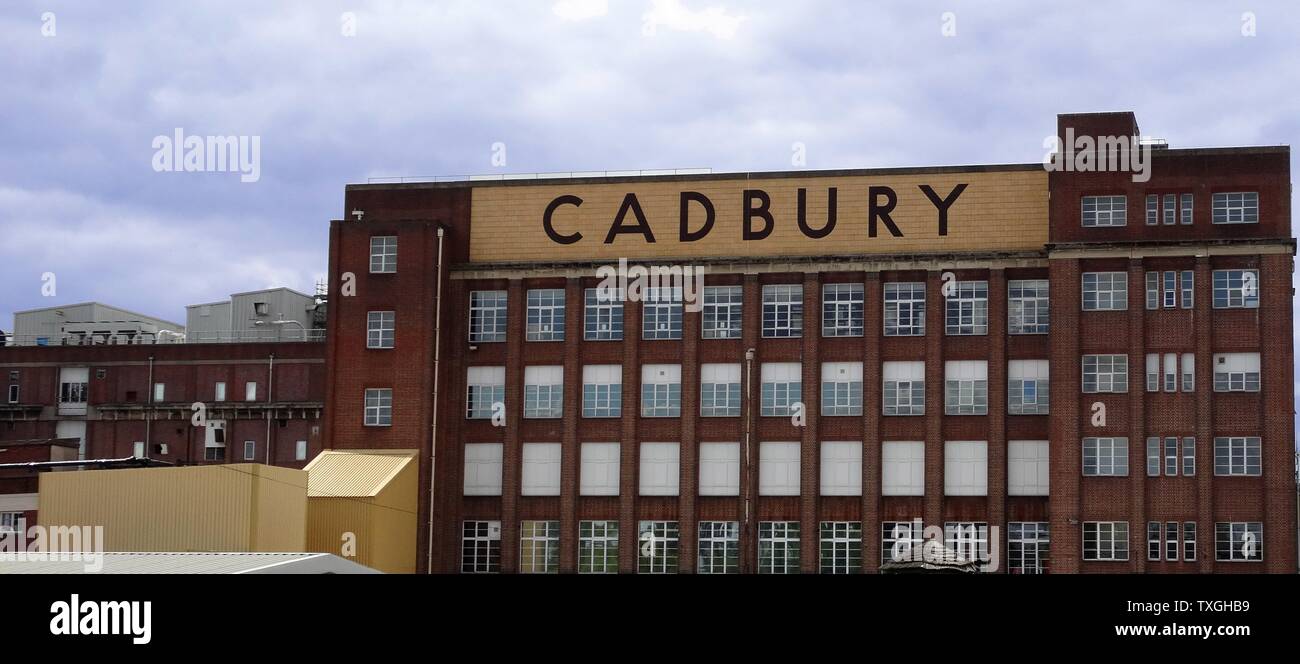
433	429
749	400
270	384
148	414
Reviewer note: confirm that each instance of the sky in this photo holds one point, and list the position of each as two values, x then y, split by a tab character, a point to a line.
337	92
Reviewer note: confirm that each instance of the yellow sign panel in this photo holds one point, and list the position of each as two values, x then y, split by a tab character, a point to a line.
761	217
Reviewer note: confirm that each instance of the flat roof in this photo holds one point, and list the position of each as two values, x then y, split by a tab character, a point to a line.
101	304
190	563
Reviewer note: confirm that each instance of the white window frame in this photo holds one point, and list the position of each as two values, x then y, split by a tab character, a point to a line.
966	387
480	547
380	329
598	547
1028	547
602	314
782	311
843	309
781	388
720	390
841	389
661	313
966	311
1104	211
1105	291
723	312
661	390
903	392
1109	541
378	407
1028	387
543	392
383	254
484	386
658	547
544	314
1231	290
1230	544
778	547
904	309
1109	456
1242	372
718	547
602	390
1235	207
839	547
488	316
1109	374
539	547
1238	456
1028	306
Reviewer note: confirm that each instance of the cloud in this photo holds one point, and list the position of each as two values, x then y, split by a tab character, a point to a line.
580	10
672	14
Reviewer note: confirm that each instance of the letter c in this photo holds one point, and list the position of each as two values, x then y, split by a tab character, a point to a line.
566	199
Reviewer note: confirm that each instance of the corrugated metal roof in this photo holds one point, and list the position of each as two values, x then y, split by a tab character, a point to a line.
354	474
190	563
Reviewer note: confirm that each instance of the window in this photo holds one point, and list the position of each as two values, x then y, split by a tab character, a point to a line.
599	475
1171	209
1102	211
487	316
1236	289
539	547
1028	547
543	392
379	407
904	391
545	314
902	468
842	310
1153	290
1105	457
778	469
484	386
1027	306
602	390
383	254
1105	540
602	314
1185	209
719	547
968	539
660	469
13	394
900	540
657	553
1236	372
1027	387
214	441
597	547
905	309
1105	373
1171	540
661	390
1170	379
782	310
1167	455
720	390
1170	289
541	469
841	468
841	547
1189	541
966	387
300	450
1028	470
1239	541
1153	540
159	392
1189	372
219	392
73	391
1236	208
965	468
1237	455
1170	281
661	314
778	547
841	388
1153	210
782	388
12	522
1187	284
379	329
719	469
137	450
1105	291
250	391
721	316
967	310
261	309
250	450
480	547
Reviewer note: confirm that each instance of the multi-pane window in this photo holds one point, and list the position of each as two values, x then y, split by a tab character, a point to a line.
484	386
841	388
1185	209
1105	373
1236	208
1028	547
597	547
778	469
657	553
602	314
383	253
720	390
967	309
966	387
778	547
1236	372
1100	211
1105	540
1028	468
1189	541
900	540
904	389
379	407
598	471
721	316
545	315
1105	457
1171	289
540	474
543	392
487	316
1105	291
1027	306
842	310
480	547
905	309
11	522
483	469
1236	289
1153	210
539	547
1163	541
1239	541
1027	387
1171	209
1237	455
841	547
902	468
1171	455
719	469
782	388
1153	540
1171	540
719	547
1177	209
841	468
782	310
968	539
1163	372
661	390
965	468
602	390
661	313
379	329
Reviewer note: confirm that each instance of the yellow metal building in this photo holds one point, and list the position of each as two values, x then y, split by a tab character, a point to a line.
361	505
228	507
